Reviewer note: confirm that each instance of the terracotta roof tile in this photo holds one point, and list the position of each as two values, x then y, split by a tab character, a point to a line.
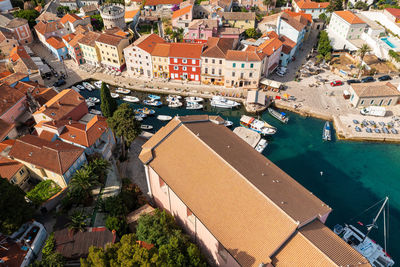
16	22
148	42
89	38
270	46
293	22
349	16
307	4
12	78
394	11
244	55
299	14
44	27
375	89
131	13
41	93
9	167
70	17
109	39
55	156
218	47
182	11
89	8
186	50
56	42
9	97
161	50
238	15
206	23
5	128
288	44
162	2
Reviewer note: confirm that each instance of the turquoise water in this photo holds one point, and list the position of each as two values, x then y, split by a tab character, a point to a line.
355	175
386	40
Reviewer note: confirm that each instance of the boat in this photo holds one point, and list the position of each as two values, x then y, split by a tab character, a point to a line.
193	105
372	251
358	129
142	115
164	117
132	99
278	115
98	84
123	91
194	99
89	103
138	118
261	145
146	111
88	86
146	127
95	112
152	102
94	99
173	97
326	132
228	123
154	97
114	95
256	125
75	89
175	104
80	87
220	102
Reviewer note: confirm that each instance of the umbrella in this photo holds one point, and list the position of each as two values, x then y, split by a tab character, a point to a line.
277	97
285	95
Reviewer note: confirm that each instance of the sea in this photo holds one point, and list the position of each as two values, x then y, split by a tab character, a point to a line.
348	176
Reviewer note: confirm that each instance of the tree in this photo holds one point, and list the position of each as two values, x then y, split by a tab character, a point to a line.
118	224
267	3
83	181
30	15
108	104
328	57
324	44
78	221
63	9
253	33
323	17
362	51
361	5
97	22
124	125
334	5
49	256
15	211
99	167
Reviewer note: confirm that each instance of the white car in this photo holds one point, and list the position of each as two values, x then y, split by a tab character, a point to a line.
281	74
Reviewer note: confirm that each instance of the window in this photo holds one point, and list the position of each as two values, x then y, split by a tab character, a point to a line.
220	72
213	71
251	65
184	68
194	61
184	61
176	68
213	61
372	102
193	69
233	74
13	180
242	65
362	102
206	60
234	65
22	171
220	62
250	75
389	102
206	70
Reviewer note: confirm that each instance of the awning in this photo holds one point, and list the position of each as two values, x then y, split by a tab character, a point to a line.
271	83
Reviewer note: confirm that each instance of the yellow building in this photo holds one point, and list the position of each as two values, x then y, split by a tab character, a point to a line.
241	20
111	50
15	172
160	62
90	51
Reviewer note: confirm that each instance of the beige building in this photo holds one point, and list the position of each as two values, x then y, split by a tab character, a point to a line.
90	51
111	49
241	20
374	94
213	60
15	172
159	57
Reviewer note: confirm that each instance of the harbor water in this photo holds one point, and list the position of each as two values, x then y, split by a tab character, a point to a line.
348	176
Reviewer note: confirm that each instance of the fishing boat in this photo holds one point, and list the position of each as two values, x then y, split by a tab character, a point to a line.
220	102
326	132
194	99
75	89
98	84
88	86
89	103
123	91
372	251
138	118
228	123
152	102
193	105
175	104
261	145
164	117
94	99
146	127
256	125
154	97
146	111
95	112
132	99
278	115
80	87
114	95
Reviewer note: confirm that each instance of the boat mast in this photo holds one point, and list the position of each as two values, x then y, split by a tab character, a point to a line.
369	227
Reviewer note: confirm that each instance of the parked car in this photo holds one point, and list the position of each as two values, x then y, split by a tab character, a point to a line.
280	74
336	83
367	79
59	83
353	81
384	78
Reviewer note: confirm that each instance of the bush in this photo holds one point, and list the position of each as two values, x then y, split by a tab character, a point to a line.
43	191
49	246
118	224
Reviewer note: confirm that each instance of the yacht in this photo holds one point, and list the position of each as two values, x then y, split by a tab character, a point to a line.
152	102
175	104
88	86
326	132
278	115
256	125
220	102
95	111
80	87
123	91
94	99
98	84
164	117
194	99
146	127
89	103
132	99
154	97
228	123
262	144
193	105
114	95
173	97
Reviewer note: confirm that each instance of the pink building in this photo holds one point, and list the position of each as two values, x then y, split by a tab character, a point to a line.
182	17
200	30
12	105
239	207
20	28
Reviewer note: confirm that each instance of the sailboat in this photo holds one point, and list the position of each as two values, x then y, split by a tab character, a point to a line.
373	252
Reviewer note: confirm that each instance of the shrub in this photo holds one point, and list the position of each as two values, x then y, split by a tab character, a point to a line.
118	224
43	191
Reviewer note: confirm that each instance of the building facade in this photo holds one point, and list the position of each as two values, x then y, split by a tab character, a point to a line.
90	51
374	94
57	47
111	51
182	17
160	60
310	7
241	20
20	28
15	172
200	30
346	25
185	61
113	15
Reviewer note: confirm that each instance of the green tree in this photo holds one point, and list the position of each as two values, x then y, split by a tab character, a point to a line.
30	15
99	166
124	125
63	9
335	5
83	181
328	57
361	5
324	44
43	191
118	224
362	51
253	33
53	260
108	104
267	3
97	22
15	211
323	17
49	246
78	221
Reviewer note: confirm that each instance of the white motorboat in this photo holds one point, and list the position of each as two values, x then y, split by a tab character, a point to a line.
262	144
98	84
164	117
194	99
152	102
132	99
326	132
88	86
220	102
138	118
146	127
278	115
170	97
122	91
228	123
95	112
175	104
256	125
154	97
193	105
89	103
372	251
75	89
114	95
80	87
94	99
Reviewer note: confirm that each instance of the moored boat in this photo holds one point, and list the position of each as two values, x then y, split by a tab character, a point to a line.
89	103
123	91
146	127
152	102
146	111
132	99
154	97
228	123
164	117
194	99
193	105
88	86
256	125
220	102
114	95
326	132
94	99
175	104
80	87
172	97
95	112
138	118
98	84
262	144
278	115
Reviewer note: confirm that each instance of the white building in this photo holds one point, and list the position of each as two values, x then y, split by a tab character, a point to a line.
374	94
291	28
310	7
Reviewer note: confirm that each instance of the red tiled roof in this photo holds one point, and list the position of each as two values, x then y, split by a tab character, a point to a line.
9	167
182	11
18	52
162	2
244	55
70	17
9	97
55	156
131	13
56	42
349	16
184	50
394	11
41	93
161	50
12	78
5	129
297	14
148	42
307	4
68	37
44	27
270	46
110	39
288	44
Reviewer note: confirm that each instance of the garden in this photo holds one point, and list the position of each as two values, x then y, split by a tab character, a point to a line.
43	191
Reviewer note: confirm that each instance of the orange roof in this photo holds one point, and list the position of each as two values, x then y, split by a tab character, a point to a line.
349	16
148	42
270	46
307	4
249	55
181	12
46	135
38	8
394	11
185	50
68	37
70	17
18	52
44	27
161	50
162	2
55	42
131	13
9	167
302	14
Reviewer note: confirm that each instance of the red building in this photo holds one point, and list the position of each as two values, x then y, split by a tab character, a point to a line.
185	61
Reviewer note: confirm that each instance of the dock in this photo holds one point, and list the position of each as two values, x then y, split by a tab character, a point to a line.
249	136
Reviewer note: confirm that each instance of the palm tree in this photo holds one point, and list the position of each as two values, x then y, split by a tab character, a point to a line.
83	180
267	3
362	51
100	167
78	221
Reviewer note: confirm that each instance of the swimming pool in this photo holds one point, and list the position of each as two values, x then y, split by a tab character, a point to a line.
388	42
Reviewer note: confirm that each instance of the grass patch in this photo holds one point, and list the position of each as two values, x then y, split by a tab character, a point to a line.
43	191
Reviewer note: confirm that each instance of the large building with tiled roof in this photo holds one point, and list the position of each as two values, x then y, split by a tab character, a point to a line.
374	94
90	51
160	60
22	62
20	28
110	47
70	21
37	94
71	41
241	208
12	104
138	55
57	47
185	61
15	172
55	160
45	30
199	30
310	7
182	17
